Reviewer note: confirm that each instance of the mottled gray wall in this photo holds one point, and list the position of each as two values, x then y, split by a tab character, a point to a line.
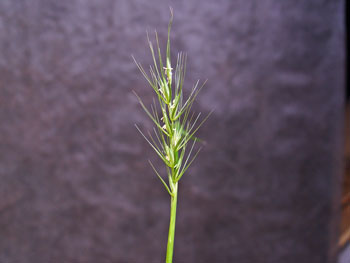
75	183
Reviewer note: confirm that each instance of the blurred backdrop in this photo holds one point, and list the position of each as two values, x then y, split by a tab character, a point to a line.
75	184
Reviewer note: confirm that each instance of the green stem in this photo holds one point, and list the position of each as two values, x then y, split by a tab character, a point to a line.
170	247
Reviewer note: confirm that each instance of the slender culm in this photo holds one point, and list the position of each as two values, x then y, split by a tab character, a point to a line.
173	137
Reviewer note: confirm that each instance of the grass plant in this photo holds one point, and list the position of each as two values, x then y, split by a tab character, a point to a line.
175	124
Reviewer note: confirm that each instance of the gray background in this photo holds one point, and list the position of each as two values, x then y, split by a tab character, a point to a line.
75	183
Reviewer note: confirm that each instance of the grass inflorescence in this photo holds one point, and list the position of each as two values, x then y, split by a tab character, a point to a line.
173	137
